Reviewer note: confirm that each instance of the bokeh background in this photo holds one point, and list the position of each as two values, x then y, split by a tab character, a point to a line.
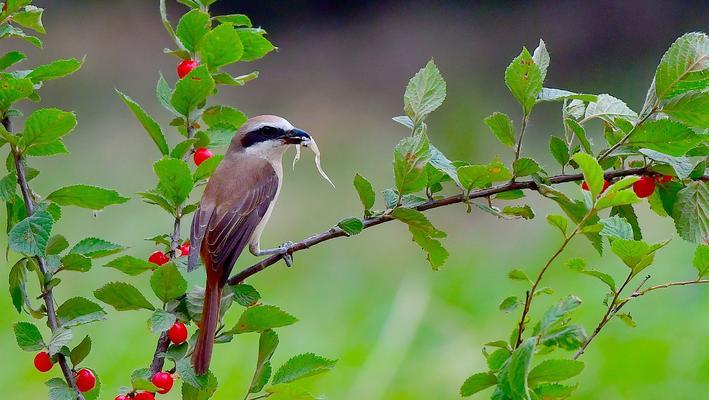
398	329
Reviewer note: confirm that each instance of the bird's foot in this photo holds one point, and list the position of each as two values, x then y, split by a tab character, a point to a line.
286	254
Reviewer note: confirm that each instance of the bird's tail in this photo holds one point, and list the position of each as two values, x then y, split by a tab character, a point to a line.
210	318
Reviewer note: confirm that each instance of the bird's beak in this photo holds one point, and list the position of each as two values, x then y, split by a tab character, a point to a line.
296	136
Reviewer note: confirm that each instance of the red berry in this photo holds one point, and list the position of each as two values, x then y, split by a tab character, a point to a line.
201	155
144	396
158	258
644	186
584	186
177	333
85	380
185	249
122	397
606	183
185	67
43	362
164	381
663	178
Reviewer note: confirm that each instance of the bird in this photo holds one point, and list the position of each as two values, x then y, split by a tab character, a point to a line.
233	212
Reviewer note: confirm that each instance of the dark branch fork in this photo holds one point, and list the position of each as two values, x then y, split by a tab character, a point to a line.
48	294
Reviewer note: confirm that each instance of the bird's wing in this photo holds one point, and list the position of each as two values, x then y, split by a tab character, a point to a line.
234	203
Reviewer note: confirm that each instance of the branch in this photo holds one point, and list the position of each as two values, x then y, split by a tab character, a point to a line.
336	232
47	293
627	136
613	309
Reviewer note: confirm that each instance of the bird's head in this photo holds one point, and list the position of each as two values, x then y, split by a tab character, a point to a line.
268	136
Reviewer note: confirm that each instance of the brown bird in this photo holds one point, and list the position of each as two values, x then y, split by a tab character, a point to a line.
234	209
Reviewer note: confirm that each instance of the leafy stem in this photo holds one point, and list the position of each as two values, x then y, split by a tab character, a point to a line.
47	293
530	293
615	306
522	130
630	133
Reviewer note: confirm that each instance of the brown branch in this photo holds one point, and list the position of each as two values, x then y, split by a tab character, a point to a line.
336	232
47	293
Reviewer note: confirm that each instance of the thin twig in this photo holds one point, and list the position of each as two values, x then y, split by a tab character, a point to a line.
336	232
48	294
627	136
518	147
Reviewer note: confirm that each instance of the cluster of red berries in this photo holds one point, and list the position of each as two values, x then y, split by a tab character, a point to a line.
643	187
85	378
184	68
159	258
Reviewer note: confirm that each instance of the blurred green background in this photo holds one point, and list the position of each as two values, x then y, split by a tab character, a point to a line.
399	330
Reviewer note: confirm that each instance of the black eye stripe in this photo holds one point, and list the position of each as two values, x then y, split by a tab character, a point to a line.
262	134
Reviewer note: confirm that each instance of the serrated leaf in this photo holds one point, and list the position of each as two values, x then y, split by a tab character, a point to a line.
559	222
85	196
636	254
207	167
541	58
555	370
261	318
436	254
167	282
592	172
140	380
557	312
302	366
161	321
411	156
28	336
665	136
81	351
267	346
13	89
365	192
550	94
11	58
502	127
192	90
351	226
255	45
559	150
95	248
54	70
59	390
616	227
690	108
525	211
151	126
30	17
60	338
682	166
509	304
518	275
524	79
47	125
512	379
174	179
189	376
190	392
56	244
425	92
246	295
79	311
122	296
525	167
417	220
30	236
192	27
579	265
608	108
221	46
701	260
130	265
627	319
477	382
683	66
691	212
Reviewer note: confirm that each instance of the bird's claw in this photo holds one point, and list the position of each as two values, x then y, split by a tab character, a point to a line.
286	253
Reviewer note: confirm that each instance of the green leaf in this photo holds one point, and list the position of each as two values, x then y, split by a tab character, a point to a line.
17	281
76	262
167	283
261	318
665	136
502	127
510	195
60	338
47	125
192	90
302	366
683	67
559	222
95	248
190	392
351	226
636	254
130	265
555	370
425	92
479	176
525	167
85	196
11	58
140	380
559	150
541	58
54	70
436	254
207	167
365	192
255	45
418	220
222	78
682	166
56	244
223	116
122	296
627	319
28	336
691	212
518	275
236	19
192	27
246	295
701	260
267	346
579	265
13	89
410	158
81	351
509	304
59	390
512	380
628	213
477	382
153	128
285	391
616	227
592	172
580	133
690	108
30	235
549	94
220	47
31	18
161	321
174	179
608	108
557	312
79	311
524	79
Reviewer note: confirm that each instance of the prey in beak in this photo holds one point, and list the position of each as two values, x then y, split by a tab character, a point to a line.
297	136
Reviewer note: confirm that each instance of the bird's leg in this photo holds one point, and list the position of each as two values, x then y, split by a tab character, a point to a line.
282	250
